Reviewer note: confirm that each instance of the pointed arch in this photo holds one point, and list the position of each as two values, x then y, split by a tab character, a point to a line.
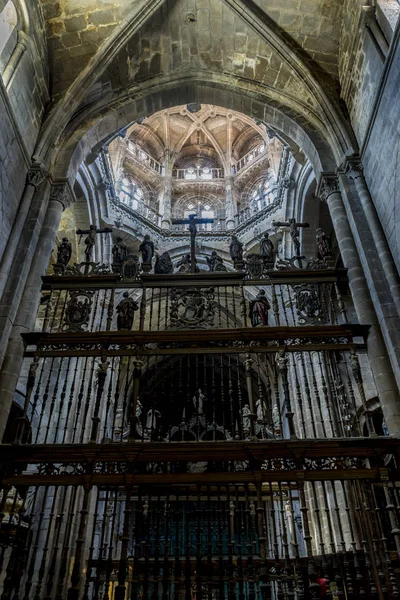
67	106
259	22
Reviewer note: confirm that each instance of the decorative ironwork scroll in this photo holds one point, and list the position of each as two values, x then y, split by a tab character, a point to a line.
192	308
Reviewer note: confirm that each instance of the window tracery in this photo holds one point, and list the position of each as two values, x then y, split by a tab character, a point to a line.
8	30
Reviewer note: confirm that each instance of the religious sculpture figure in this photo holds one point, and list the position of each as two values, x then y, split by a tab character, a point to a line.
215	262
267	249
90	240
276	420
119	251
147	250
246	421
126	311
185	265
261	409
198	401
236	249
259	308
192	228
164	264
152	419
192	222
323	243
294	234
64	253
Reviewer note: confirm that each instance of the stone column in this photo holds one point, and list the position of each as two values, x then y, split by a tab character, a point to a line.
230	202
16	57
34	179
26	315
355	173
167	199
329	192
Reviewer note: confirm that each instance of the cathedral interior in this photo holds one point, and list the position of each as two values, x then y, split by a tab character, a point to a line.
200	299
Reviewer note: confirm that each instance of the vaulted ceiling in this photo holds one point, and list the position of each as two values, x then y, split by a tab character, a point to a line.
192	34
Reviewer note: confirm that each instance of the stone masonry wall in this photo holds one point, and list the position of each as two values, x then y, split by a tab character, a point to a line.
22	106
381	158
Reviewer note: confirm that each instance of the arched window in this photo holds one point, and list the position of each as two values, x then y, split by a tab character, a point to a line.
8	30
261	196
130	193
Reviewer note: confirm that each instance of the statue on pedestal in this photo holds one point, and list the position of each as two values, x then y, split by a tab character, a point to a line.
147	250
119	251
236	250
267	249
164	264
259	308
126	311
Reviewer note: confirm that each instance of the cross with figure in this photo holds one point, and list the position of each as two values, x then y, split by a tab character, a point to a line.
294	234
192	222
90	241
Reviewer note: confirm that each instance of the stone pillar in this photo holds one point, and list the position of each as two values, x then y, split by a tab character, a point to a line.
26	315
167	199
34	179
355	173
230	202
377	352
18	258
16	57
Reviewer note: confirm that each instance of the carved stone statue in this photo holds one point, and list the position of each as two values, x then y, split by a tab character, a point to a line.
164	264
64	253
126	311
323	243
215	262
119	251
259	308
267	249
236	249
147	250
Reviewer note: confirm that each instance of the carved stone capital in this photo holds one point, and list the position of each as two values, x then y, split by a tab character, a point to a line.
369	15
36	174
328	185
354	170
61	192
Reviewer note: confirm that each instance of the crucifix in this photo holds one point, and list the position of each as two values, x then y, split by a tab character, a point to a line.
192	222
294	234
91	238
